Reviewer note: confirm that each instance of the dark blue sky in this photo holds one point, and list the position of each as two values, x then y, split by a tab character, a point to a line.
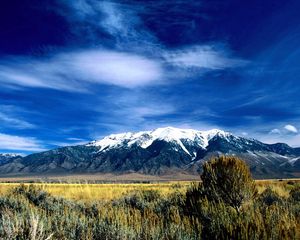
76	70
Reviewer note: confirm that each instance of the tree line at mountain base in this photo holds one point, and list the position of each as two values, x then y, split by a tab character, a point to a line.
224	205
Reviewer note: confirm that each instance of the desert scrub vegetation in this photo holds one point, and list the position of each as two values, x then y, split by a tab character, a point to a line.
226	204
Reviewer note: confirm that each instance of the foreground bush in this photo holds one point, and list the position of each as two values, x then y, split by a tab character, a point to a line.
227	205
228	180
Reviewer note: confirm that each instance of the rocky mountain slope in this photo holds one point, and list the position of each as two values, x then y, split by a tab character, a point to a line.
158	152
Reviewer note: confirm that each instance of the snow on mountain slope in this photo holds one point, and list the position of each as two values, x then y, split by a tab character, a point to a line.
8	155
293	160
170	134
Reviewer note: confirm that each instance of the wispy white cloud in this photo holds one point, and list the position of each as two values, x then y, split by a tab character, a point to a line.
15	122
12	142
74	71
291	128
9	117
203	57
120	20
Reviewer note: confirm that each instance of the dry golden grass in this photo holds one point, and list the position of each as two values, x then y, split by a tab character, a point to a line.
105	191
282	187
109	191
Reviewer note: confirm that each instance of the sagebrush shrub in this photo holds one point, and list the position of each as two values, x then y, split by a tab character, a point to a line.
228	179
225	205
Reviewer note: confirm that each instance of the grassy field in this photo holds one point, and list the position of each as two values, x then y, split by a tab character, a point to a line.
110	191
104	191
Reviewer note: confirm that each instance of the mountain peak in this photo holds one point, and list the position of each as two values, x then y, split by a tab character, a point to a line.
169	134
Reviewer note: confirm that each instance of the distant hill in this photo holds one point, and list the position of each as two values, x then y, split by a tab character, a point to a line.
163	151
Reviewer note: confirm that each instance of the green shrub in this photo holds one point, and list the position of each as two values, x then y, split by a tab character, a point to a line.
228	180
224	205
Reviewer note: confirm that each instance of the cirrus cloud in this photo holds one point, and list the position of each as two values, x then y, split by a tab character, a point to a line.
205	57
74	71
12	142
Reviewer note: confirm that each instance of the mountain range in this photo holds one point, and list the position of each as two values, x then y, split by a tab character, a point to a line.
163	151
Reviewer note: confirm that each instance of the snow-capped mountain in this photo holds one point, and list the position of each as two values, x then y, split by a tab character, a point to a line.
169	134
163	151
